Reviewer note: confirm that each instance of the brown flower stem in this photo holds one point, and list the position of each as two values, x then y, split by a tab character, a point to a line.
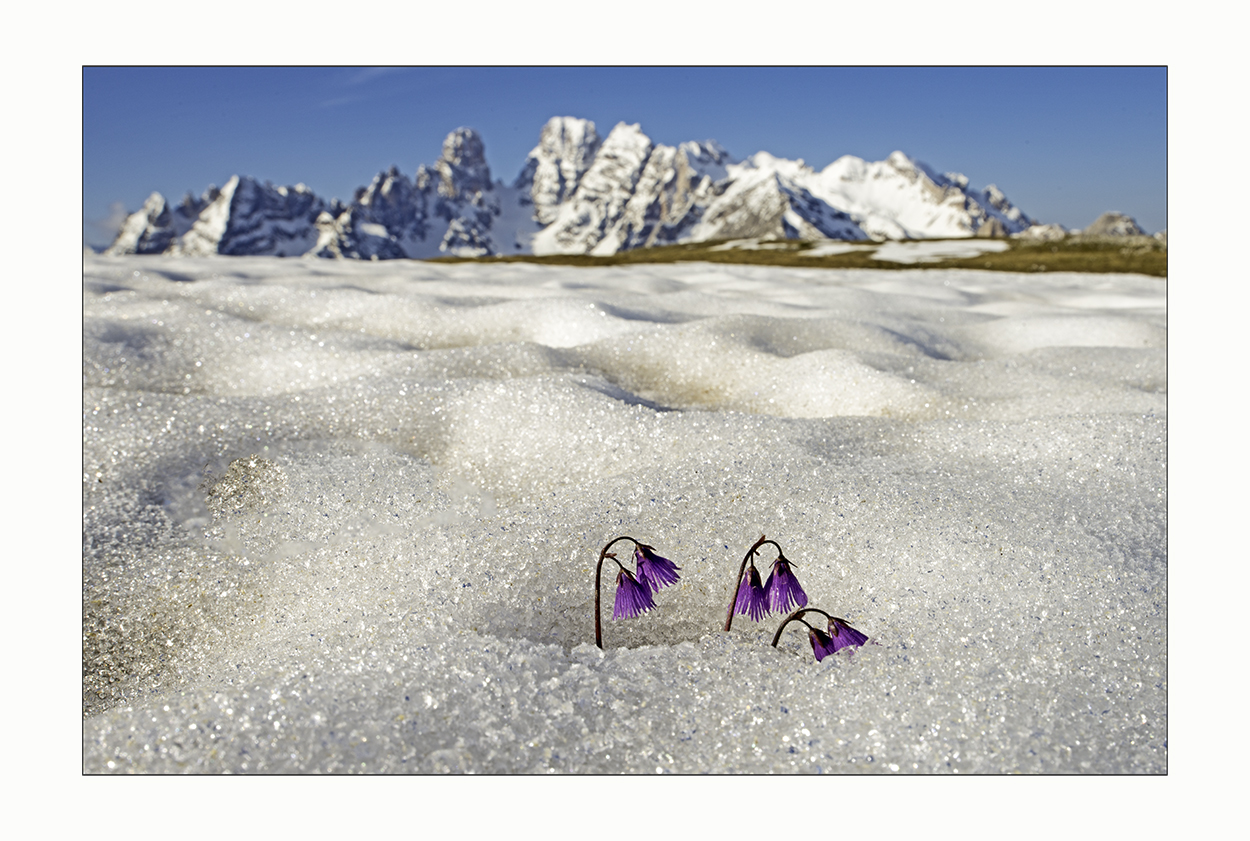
796	615
733	595
603	553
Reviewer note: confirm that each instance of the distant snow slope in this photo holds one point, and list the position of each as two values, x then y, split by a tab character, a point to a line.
576	194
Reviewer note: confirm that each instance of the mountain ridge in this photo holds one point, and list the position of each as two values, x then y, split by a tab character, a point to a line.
577	193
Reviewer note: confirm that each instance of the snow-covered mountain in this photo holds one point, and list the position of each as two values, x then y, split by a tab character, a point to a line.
576	194
156	226
243	217
448	208
566	148
633	194
900	198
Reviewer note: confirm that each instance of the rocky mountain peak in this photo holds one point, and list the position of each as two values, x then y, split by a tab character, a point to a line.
597	206
1115	224
901	162
571	140
146	231
996	197
566	147
462	169
707	158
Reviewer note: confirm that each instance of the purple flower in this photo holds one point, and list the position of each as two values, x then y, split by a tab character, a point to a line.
783	588
842	635
632	597
653	571
752	598
822	645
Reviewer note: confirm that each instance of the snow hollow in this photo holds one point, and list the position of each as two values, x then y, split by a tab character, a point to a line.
343	516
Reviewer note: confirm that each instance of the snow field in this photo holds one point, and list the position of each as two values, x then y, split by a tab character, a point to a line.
344	517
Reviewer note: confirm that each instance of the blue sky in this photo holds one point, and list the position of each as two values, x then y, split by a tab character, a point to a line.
1064	143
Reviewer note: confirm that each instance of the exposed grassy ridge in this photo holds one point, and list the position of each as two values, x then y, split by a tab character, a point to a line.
1140	255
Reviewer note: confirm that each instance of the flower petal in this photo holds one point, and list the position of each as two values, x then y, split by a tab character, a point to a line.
783	588
843	635
822	646
653	571
752	598
632	597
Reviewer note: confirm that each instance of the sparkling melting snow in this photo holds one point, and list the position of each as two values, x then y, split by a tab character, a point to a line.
344	517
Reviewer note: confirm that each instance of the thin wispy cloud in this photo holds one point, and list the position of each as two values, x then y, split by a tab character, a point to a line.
359	81
368	74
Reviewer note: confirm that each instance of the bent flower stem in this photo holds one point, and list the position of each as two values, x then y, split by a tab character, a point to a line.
751	598
633	589
839	634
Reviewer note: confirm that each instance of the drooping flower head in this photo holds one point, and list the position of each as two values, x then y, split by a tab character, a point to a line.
783	588
752	597
653	571
632	596
839	636
822	645
842	635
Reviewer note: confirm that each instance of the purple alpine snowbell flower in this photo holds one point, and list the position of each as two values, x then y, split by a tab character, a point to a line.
752	597
632	597
653	571
783	588
822	645
842	635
